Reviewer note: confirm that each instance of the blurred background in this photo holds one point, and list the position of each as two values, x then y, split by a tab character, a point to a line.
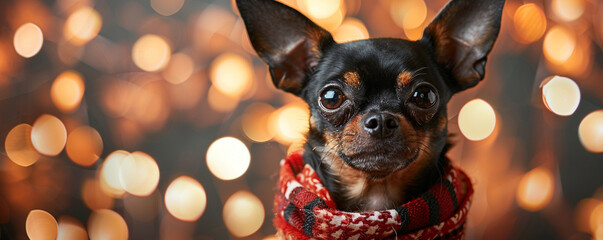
154	119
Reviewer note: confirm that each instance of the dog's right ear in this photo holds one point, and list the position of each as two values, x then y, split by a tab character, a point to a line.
290	43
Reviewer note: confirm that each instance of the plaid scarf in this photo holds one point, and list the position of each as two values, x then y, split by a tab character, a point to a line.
305	209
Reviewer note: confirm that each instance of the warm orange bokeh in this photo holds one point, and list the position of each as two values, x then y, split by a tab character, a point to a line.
48	135
535	189
530	23
559	44
590	131
84	146
151	53
82	26
350	30
71	228
477	120
67	91
228	158
18	146
243	214
28	40
185	199
41	225
107	224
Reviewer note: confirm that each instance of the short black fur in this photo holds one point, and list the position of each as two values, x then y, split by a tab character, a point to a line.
378	125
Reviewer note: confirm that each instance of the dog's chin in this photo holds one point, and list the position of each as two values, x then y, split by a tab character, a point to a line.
379	164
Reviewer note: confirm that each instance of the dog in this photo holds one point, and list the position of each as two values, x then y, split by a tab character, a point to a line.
378	118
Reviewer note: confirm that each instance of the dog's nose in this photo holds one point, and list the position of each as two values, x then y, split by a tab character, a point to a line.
381	124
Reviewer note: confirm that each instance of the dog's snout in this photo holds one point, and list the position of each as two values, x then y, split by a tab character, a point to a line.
381	124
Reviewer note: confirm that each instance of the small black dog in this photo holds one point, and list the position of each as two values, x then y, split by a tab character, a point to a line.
378	125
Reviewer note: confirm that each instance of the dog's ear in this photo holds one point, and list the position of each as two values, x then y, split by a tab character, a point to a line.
286	40
462	35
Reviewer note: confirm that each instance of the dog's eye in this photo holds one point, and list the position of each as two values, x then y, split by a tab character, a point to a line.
332	98
423	97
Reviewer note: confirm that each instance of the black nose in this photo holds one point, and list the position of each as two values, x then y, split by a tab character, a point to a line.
381	124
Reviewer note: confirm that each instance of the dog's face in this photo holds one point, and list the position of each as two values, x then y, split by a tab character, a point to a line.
377	106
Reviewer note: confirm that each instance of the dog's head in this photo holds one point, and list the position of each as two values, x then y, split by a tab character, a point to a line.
376	105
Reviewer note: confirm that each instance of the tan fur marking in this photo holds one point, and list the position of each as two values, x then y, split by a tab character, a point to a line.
363	192
404	79
442	123
352	78
356	188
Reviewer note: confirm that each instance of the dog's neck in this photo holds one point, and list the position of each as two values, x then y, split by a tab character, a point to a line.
354	190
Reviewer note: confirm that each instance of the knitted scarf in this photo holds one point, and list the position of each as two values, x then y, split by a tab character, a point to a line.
304	209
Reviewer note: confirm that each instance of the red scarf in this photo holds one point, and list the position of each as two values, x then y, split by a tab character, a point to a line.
304	209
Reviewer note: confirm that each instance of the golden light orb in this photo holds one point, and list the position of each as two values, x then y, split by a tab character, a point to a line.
350	30
579	64
107	224
67	91
151	53
414	34
179	69
48	135
583	213
167	7
243	214
560	95
290	123
255	122
529	22
82	26
408	14
559	44
595	220
477	120
139	174
330	23
40	225
590	131
320	8
18	146
109	176
228	158
71	229
535	189
598	235
28	40
185	199
231	74
568	10
84	146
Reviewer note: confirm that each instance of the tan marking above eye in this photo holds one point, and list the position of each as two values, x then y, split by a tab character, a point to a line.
443	123
352	78
404	79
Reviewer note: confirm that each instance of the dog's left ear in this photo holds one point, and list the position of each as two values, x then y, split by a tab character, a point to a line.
462	35
286	40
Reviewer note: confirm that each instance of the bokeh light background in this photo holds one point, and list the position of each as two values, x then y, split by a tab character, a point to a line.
154	119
